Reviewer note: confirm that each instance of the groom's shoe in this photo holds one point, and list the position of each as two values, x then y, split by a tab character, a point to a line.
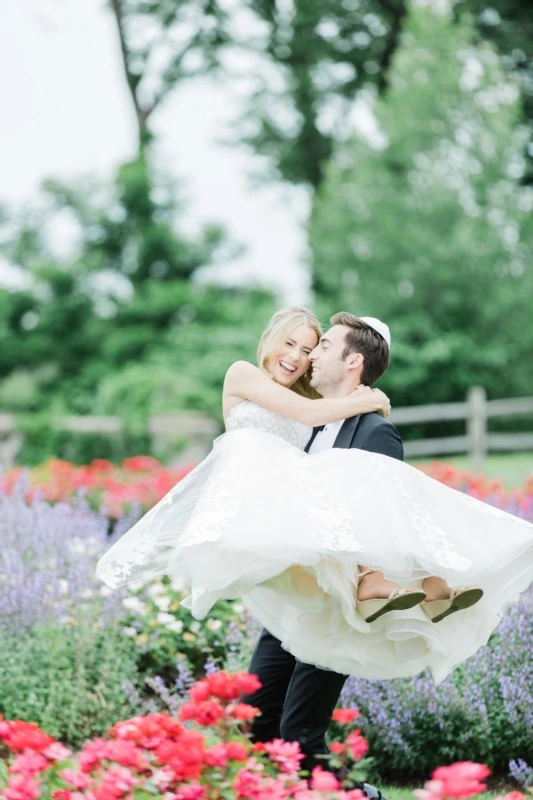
372	792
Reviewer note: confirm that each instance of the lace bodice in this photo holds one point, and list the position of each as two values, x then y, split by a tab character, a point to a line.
250	415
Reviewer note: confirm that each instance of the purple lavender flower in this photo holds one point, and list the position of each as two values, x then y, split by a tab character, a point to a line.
521	772
482	712
48	558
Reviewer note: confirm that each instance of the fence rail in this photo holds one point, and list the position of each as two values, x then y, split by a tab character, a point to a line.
477	440
195	428
200	429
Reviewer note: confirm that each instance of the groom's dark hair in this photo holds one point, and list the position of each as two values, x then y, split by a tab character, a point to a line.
365	340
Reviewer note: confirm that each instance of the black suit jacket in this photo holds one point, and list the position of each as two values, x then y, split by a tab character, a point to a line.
367	432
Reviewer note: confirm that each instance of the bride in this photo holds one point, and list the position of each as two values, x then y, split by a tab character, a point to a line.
355	561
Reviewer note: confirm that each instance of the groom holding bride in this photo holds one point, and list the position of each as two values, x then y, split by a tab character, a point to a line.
296	699
354	562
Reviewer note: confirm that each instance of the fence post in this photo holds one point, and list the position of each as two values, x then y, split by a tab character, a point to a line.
477	427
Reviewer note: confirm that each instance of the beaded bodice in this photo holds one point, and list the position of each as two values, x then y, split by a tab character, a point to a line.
250	415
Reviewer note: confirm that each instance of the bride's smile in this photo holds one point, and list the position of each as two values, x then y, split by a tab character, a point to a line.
290	359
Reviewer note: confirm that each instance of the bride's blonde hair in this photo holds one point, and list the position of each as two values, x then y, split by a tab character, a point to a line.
281	325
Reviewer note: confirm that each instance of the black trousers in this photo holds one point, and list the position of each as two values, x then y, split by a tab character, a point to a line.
296	700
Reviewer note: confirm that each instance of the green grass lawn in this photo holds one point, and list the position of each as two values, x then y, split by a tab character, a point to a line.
511	468
406	793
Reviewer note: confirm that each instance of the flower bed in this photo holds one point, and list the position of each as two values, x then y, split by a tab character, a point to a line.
138	482
142	481
72	653
202	755
517	501
483	708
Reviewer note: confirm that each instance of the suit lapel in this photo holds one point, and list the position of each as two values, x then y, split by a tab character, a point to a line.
347	432
313	437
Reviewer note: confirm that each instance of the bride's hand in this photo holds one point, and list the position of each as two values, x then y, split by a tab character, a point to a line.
377	400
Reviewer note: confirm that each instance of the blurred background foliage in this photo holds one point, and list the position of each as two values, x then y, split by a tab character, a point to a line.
426	224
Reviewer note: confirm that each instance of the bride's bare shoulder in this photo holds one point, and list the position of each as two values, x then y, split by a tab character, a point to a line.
239	367
240	377
241	370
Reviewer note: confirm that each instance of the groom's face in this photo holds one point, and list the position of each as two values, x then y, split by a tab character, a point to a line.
329	370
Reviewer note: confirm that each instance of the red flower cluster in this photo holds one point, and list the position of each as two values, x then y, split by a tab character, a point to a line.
141	480
345	715
460	780
515	501
19	736
159	755
144	480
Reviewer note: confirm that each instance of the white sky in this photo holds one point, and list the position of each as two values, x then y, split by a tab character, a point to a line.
65	113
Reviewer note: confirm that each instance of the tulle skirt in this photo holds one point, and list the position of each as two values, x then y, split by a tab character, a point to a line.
262	520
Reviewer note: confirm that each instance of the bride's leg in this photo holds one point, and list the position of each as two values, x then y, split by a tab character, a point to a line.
436	588
373	586
441	600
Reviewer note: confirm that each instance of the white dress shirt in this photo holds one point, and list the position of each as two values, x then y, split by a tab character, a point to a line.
325	439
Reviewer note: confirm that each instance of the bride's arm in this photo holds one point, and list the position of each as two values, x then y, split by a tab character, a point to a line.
247	382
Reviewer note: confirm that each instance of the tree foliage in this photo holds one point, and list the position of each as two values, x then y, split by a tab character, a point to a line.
125	292
426	226
164	43
509	24
319	53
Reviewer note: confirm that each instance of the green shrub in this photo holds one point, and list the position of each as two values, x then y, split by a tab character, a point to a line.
164	631
43	441
74	681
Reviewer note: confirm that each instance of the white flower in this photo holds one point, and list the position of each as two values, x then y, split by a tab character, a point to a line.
238	608
86	594
77	546
213	624
63	586
170	622
195	626
106	591
93	545
163	618
163	603
129	631
136	586
134	604
156	590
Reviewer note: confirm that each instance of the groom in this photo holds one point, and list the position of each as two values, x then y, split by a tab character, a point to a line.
296	699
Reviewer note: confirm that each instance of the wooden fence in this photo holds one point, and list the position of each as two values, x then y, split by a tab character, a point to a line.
477	441
193	427
200	430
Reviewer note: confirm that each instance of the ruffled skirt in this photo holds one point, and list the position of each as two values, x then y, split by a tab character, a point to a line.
262	520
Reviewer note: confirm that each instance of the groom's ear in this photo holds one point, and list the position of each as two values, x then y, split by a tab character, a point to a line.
355	360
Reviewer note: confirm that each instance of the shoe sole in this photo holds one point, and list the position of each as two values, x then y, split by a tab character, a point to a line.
464	600
401	603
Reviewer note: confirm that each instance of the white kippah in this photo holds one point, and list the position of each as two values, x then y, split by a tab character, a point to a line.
378	326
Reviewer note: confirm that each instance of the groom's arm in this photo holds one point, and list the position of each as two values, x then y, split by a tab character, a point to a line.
384	439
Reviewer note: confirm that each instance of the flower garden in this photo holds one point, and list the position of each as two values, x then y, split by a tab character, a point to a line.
105	695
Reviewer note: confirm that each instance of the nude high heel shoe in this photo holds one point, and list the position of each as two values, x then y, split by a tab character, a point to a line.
398	600
459	599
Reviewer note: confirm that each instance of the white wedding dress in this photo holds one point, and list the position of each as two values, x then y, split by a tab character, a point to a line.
262	520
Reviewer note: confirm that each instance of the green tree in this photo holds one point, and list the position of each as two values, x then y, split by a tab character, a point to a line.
123	292
319	54
164	43
509	24
88	324
427	226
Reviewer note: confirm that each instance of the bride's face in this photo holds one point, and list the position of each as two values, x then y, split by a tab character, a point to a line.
289	359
